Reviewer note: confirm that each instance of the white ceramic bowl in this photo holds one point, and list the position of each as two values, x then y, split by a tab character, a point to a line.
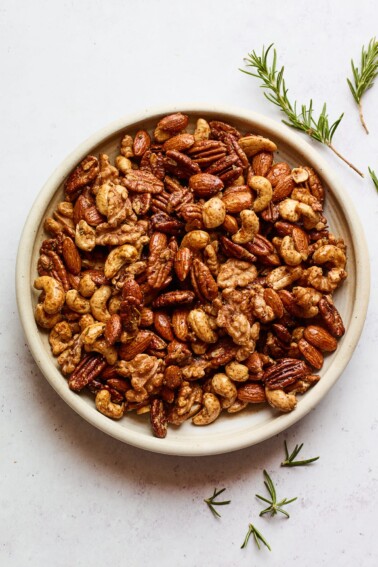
229	432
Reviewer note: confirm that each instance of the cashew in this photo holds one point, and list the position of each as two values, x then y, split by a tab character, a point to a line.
237	406
45	320
249	229
210	410
200	324
125	254
222	385
309	216
76	302
102	347
60	337
87	287
107	407
85	236
281	400
288	210
289	253
92	332
264	191
98	303
252	145
237	372
54	294
213	212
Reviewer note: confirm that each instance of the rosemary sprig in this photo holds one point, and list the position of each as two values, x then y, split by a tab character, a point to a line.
274	506
290	462
374	178
211	502
257	536
273	81
364	77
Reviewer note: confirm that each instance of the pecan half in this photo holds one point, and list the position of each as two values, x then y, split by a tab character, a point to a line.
285	372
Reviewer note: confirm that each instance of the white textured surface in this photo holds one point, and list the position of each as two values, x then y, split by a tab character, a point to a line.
70	494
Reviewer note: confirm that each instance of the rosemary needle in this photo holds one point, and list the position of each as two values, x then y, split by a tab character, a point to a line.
211	501
374	178
274	506
363	78
299	117
256	535
289	460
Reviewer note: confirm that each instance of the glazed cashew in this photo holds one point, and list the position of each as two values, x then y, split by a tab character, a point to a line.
85	236
264	191
236	371
210	410
309	216
281	400
200	324
222	385
86	320
288	210
54	294
125	254
250	227
237	406
289	253
107	407
101	346
98	303
87	287
45	320
60	337
92	332
213	212
76	302
114	304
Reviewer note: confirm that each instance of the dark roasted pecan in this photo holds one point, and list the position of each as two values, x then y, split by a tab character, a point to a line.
158	417
83	175
285	372
174	298
237	251
331	317
87	370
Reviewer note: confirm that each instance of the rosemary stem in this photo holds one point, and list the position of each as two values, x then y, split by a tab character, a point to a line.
332	147
362	117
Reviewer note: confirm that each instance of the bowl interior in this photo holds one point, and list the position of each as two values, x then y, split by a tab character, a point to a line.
229	432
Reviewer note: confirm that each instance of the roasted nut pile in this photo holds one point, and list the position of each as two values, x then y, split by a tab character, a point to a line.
194	275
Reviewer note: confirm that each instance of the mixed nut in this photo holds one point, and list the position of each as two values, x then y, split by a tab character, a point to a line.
194	275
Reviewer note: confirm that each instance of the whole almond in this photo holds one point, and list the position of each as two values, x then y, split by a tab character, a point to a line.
113	329
283	188
141	144
180	142
162	324
173	123
261	163
71	256
301	241
128	351
272	299
253	393
237	200
320	338
205	184
278	171
311	354
172	376
230	224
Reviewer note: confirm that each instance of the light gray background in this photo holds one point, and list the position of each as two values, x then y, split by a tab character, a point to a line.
69	494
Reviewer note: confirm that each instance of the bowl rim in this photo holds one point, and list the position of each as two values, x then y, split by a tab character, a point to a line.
196	446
